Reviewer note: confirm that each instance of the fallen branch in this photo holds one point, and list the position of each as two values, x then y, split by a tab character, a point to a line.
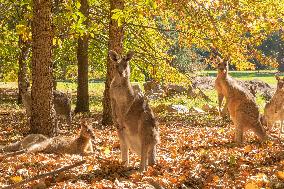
45	175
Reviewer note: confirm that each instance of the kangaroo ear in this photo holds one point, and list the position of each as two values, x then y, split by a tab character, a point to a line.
277	77
129	55
113	56
219	59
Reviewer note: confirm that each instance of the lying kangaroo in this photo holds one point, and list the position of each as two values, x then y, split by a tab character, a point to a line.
240	102
274	109
27	142
71	145
62	104
137	128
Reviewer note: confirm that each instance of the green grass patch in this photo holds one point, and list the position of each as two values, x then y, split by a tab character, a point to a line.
267	76
96	90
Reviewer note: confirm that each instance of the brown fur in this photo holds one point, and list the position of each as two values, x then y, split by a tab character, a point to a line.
240	102
60	145
25	143
274	109
135	120
252	90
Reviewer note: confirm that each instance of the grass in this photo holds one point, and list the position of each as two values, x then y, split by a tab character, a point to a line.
96	90
267	76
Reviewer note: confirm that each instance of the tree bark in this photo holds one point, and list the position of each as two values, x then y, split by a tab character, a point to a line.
82	104
115	43
23	81
43	117
280	60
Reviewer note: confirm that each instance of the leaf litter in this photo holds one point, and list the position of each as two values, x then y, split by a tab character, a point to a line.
194	153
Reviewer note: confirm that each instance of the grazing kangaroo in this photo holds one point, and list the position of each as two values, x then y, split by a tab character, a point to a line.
274	109
240	102
62	104
137	128
252	90
80	144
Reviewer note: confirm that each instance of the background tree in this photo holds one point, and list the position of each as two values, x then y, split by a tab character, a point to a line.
234	28
274	46
43	117
115	43
15	23
24	33
82	104
148	26
23	80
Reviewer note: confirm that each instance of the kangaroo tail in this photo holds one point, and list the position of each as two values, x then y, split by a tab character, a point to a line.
11	147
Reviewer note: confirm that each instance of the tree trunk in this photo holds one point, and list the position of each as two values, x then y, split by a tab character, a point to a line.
115	43
54	82
280	60
82	104
43	117
23	81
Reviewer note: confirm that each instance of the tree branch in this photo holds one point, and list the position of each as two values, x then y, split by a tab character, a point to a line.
45	175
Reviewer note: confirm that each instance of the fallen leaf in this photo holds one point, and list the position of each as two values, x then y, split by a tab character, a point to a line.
107	151
16	179
247	149
251	185
280	175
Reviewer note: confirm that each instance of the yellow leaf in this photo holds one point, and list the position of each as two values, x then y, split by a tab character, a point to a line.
220	131
251	185
280	175
54	41
16	179
215	178
107	151
90	167
247	149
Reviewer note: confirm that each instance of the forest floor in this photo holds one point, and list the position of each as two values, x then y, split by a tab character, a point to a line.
196	151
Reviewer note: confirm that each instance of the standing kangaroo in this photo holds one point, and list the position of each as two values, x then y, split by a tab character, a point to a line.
137	128
240	102
274	109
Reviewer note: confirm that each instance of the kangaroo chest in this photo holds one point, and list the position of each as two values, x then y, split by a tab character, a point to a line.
221	85
121	94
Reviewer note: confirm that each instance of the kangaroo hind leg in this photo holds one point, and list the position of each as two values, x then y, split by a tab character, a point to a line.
152	155
144	156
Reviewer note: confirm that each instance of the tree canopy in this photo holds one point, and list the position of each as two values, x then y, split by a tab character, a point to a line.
235	29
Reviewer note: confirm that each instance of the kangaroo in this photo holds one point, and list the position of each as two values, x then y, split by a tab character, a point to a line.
224	112
137	89
252	90
274	109
62	104
24	144
80	144
240	102
137	128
